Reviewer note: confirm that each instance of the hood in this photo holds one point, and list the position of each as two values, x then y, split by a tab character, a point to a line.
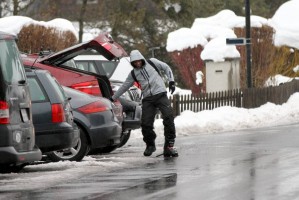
103	44
136	55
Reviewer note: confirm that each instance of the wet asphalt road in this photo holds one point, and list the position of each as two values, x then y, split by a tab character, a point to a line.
253	164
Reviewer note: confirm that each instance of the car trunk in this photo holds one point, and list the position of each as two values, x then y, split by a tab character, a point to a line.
102	44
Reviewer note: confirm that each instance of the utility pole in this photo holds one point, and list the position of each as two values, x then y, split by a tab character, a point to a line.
248	44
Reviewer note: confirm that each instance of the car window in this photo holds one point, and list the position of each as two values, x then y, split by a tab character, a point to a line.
91	68
10	63
109	67
57	87
86	65
70	63
36	93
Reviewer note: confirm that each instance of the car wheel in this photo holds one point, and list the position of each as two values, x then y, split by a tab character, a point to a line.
75	153
124	138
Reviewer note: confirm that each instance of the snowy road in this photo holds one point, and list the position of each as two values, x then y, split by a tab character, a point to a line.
249	164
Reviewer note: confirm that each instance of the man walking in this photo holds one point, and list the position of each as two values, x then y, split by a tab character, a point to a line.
146	73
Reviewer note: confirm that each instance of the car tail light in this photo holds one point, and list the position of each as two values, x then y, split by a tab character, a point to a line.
4	112
106	46
94	107
58	113
90	87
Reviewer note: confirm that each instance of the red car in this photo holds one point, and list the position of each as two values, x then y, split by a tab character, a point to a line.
99	85
90	83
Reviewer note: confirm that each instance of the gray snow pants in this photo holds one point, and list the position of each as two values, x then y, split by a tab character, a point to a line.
149	108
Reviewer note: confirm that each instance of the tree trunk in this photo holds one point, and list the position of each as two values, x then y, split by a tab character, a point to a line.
81	19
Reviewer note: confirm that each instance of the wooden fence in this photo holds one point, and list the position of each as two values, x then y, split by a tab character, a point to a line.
246	98
255	97
207	101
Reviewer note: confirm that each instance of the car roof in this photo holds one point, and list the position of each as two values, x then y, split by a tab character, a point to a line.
79	98
6	36
32	70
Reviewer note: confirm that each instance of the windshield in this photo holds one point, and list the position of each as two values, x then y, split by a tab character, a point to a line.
12	69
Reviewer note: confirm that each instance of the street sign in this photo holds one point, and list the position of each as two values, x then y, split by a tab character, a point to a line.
237	41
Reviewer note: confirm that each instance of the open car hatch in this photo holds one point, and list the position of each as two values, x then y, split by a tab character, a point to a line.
103	44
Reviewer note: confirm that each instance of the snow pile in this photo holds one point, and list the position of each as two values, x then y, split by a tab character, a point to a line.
284	23
14	24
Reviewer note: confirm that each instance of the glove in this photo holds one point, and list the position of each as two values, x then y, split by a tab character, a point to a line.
171	86
111	99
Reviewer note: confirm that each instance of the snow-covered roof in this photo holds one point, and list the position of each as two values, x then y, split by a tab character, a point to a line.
217	28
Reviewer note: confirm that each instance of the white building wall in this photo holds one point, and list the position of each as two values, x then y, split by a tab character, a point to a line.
222	75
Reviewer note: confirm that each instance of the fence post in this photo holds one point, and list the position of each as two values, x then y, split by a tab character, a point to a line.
176	105
238	98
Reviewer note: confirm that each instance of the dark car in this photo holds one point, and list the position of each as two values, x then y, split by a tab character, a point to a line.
52	114
17	137
99	119
88	82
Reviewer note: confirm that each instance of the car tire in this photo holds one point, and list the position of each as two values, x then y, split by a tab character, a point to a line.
124	138
103	150
75	153
11	168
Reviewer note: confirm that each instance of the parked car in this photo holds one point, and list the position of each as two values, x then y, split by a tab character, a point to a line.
99	119
88	82
17	138
52	116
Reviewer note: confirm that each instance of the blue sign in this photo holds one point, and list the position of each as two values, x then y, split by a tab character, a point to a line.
237	41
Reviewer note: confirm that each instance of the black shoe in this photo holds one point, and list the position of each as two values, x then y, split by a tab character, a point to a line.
170	151
149	150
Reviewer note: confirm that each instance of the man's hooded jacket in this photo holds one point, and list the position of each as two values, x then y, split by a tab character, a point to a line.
149	79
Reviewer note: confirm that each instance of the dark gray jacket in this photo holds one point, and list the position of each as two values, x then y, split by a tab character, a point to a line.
149	79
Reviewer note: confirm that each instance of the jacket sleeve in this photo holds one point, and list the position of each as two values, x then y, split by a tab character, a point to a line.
124	87
162	66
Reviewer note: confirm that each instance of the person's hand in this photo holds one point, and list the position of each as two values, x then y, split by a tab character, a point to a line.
171	86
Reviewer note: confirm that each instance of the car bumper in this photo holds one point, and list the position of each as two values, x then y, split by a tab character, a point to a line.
133	122
9	155
59	137
106	135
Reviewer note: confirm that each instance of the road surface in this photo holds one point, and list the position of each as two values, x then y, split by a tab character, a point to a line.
253	164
